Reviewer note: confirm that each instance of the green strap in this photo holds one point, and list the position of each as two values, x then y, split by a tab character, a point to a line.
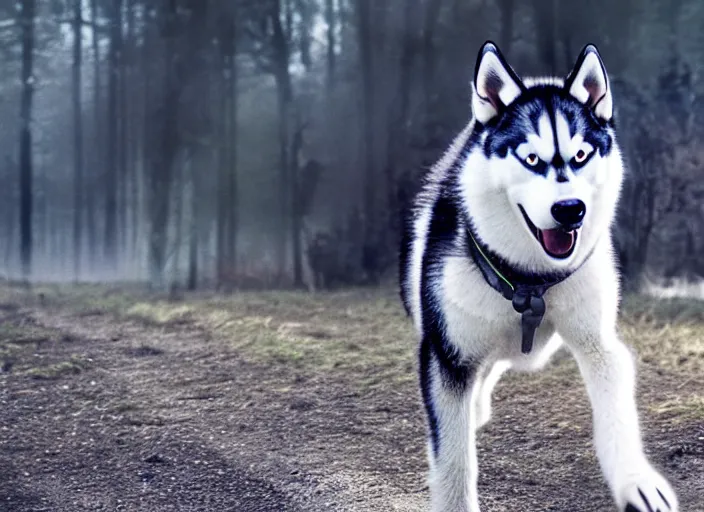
489	261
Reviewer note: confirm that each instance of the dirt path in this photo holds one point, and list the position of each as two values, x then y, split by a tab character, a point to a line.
122	415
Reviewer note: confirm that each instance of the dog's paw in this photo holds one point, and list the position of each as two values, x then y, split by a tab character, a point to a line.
648	492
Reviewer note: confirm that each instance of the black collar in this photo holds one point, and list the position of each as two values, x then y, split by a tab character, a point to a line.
524	290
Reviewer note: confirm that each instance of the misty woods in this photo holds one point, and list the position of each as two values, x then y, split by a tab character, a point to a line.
252	143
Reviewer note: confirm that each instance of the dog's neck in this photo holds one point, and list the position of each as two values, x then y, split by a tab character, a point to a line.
507	273
525	290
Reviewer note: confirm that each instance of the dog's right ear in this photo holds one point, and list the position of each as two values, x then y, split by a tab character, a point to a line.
589	83
496	85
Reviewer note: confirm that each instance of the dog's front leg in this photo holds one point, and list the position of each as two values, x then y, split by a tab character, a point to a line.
609	373
447	387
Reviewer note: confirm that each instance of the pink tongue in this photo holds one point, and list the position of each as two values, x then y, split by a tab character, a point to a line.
557	241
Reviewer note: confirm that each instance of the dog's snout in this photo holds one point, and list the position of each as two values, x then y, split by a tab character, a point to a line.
569	212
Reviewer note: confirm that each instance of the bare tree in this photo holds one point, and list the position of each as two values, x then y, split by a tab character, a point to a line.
270	31
227	144
77	138
113	159
280	63
400	117
98	139
430	23
245	141
507	8
331	22
123	108
27	15
545	19
364	34
162	154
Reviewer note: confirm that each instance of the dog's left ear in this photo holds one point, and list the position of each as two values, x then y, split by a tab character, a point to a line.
589	83
496	85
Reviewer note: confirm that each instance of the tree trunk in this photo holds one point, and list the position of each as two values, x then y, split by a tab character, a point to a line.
27	21
430	21
98	140
364	33
284	104
506	37
77	139
112	180
125	164
193	232
165	126
227	194
297	211
225	112
178	182
330	33
134	156
545	18
221	122
232	182
10	209
42	231
144	147
284	97
399	127
305	32
290	146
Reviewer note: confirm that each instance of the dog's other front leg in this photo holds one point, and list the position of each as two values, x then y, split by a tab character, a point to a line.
447	385
485	385
609	373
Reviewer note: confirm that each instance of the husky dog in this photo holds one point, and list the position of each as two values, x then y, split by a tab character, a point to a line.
506	254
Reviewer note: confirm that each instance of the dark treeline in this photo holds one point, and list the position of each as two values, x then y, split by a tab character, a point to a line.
241	143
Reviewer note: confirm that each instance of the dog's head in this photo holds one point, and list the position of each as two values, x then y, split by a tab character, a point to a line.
543	173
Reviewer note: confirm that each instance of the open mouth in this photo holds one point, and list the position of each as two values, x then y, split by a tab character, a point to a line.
557	243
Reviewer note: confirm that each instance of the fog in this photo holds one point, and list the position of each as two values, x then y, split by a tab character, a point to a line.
274	143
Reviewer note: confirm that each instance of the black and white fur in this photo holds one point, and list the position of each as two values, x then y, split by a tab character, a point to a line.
470	334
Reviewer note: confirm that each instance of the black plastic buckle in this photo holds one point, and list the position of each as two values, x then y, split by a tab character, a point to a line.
532	309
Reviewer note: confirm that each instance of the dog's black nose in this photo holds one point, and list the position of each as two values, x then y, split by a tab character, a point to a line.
569	212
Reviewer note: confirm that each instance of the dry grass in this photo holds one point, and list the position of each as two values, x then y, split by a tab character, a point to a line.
366	332
680	409
73	366
176	367
355	330
668	333
20	338
358	330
